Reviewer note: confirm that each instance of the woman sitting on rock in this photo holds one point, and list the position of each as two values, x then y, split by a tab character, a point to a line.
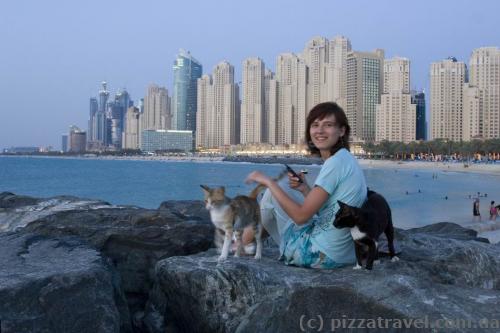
302	225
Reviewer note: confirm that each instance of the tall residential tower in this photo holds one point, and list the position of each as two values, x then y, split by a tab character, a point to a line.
396	115
447	80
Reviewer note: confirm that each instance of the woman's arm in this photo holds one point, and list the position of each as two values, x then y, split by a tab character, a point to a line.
300	214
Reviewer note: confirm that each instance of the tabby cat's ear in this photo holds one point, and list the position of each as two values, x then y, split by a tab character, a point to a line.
205	188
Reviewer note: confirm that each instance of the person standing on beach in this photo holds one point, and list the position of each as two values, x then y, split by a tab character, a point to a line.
493	211
475	211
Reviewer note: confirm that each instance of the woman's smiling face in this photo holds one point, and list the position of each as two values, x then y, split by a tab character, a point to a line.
325	133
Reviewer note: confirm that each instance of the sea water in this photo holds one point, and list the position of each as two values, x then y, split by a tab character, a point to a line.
417	197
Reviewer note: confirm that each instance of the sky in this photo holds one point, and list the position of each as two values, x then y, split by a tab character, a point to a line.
55	53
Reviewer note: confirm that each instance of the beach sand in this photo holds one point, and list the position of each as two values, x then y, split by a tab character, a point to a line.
493	169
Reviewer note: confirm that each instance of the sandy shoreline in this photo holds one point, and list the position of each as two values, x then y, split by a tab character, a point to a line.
492	169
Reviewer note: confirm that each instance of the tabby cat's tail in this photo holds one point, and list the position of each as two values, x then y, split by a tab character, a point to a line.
255	192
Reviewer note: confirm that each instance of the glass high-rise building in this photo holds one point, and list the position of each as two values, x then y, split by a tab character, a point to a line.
64	143
418	98
100	128
187	70
93	110
122	98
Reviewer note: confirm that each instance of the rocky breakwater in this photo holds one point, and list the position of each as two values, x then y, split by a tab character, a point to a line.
77	265
129	239
58	285
445	273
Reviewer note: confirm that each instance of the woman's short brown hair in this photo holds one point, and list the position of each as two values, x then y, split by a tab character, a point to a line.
321	111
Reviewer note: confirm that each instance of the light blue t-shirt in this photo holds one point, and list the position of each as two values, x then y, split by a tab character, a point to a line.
343	179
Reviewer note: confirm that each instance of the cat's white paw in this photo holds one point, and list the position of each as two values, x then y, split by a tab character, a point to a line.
357	267
222	258
258	256
394	259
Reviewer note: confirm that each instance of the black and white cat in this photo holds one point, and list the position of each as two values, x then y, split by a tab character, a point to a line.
367	224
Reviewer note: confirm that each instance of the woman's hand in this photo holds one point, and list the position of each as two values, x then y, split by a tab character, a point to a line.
294	183
258	177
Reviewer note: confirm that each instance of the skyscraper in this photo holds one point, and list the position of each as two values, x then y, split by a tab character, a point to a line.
98	123
225	99
187	70
156	108
205	117
396	115
132	129
253	99
64	143
115	119
270	113
418	98
100	126
484	67
219	112
472	113
272	116
364	87
77	140
315	55
92	123
447	80
339	47
291	74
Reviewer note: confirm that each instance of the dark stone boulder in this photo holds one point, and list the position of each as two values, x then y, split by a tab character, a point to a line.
445	272
17	211
132	238
58	285
10	200
187	209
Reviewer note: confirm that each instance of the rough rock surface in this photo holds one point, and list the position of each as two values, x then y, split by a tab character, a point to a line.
17	211
445	271
187	209
57	285
134	239
77	265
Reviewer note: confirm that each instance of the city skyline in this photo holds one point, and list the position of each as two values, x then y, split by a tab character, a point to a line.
44	61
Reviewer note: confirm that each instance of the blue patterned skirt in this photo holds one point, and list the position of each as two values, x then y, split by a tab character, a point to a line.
298	250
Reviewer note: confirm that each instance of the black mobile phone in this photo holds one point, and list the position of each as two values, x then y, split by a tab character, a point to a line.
293	172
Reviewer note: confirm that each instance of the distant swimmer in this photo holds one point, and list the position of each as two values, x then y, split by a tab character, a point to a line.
476	215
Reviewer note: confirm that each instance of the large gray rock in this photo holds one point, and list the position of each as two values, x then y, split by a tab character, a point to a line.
444	272
17	211
57	285
187	209
132	238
